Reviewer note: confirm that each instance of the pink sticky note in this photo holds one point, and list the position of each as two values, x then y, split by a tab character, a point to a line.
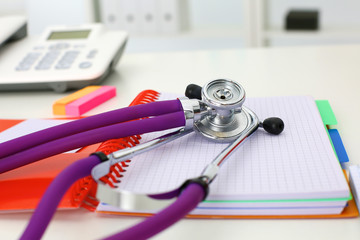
90	101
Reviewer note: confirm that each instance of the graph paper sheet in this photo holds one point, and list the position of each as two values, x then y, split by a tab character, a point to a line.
297	164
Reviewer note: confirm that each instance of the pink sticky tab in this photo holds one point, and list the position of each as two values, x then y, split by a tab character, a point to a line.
90	101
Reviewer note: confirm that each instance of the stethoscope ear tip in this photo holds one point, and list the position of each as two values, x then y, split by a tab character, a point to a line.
273	125
193	91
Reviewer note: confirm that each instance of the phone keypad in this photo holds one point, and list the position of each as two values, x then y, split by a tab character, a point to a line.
58	56
84	65
28	61
47	61
67	60
91	54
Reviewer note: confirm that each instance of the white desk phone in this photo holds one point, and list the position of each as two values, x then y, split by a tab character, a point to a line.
62	58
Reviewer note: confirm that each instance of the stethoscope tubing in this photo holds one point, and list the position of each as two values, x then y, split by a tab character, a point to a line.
166	115
104	119
47	149
188	199
54	193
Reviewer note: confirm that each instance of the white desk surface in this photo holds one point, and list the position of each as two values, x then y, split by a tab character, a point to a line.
330	72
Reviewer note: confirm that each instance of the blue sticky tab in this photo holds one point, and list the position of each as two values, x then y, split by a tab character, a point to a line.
338	145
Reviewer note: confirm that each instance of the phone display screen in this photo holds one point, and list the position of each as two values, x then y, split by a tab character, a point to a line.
60	35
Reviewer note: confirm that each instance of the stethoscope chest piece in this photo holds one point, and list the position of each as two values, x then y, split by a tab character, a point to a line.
228	119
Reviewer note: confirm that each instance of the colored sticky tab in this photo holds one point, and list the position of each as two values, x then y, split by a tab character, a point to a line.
326	112
338	145
59	105
354	180
91	100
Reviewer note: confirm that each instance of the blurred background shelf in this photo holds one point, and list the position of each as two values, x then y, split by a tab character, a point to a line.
205	24
339	23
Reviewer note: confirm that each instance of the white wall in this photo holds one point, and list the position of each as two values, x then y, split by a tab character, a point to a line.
42	13
207	13
12	7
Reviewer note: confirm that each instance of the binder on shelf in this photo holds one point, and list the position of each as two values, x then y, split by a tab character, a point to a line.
109	13
148	17
121	14
145	17
320	202
173	16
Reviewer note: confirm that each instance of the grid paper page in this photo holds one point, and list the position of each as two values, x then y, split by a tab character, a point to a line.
297	164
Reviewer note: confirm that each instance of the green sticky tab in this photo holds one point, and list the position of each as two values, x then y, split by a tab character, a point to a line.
326	112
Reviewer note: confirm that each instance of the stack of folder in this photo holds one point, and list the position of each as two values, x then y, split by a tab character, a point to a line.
294	175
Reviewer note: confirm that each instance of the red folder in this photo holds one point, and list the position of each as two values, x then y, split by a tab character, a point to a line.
22	188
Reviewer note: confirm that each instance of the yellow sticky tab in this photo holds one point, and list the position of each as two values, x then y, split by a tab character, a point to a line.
59	105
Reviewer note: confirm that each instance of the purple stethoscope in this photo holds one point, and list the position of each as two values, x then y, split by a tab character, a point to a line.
215	111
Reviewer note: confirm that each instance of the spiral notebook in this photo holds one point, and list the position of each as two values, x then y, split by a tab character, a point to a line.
296	174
